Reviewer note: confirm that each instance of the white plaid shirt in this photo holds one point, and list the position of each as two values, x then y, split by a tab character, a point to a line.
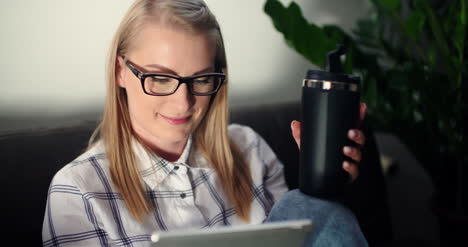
85	209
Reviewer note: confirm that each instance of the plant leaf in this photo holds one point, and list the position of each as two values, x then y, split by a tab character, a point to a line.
387	4
348	64
414	24
439	36
459	40
463	13
306	38
432	56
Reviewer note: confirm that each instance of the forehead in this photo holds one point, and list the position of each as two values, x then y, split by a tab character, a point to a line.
171	47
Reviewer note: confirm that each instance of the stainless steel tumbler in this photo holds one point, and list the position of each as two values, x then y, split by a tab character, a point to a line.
330	107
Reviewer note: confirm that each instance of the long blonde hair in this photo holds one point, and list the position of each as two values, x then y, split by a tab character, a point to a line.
210	138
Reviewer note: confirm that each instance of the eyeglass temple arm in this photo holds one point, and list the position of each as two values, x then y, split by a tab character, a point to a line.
133	69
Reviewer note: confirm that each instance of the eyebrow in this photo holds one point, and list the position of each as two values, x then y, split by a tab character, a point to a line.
165	69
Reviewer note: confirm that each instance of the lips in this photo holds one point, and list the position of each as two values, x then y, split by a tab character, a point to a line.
177	120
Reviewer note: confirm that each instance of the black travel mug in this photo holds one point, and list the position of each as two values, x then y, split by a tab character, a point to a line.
330	108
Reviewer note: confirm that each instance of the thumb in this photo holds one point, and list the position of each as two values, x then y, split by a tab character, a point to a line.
296	132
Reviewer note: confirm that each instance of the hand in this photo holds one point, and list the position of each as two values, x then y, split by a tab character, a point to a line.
354	153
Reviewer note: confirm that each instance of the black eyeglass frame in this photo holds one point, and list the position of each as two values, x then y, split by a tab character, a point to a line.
187	80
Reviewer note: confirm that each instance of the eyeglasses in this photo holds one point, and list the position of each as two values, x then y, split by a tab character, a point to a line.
163	84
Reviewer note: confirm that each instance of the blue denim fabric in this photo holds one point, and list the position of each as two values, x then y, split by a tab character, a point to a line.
333	224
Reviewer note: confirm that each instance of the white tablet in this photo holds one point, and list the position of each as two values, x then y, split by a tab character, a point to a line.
273	234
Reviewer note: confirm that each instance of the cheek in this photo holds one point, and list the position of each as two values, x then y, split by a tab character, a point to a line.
141	105
202	104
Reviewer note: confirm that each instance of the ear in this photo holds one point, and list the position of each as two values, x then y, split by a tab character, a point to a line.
120	72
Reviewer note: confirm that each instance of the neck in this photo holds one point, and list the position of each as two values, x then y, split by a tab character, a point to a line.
170	151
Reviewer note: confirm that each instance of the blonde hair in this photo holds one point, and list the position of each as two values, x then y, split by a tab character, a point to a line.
210	138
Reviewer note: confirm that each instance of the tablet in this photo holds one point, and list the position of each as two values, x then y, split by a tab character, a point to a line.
272	234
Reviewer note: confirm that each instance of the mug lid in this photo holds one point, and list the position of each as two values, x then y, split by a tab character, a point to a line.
328	76
334	70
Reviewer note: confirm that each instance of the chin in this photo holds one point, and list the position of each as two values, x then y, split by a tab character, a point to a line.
174	135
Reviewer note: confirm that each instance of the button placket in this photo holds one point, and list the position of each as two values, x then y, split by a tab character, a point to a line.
181	171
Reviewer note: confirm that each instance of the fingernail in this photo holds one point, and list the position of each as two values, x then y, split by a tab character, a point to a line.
346	164
347	150
292	123
352	134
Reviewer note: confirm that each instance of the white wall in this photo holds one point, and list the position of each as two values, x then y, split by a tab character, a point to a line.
53	51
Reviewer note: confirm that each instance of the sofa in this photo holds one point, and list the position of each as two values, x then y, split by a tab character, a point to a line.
30	158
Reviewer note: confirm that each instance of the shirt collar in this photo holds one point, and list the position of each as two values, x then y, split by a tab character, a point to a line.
155	169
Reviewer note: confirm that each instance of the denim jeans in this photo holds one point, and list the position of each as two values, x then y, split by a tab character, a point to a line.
333	224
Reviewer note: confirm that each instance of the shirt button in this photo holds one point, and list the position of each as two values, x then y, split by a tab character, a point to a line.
182	195
176	168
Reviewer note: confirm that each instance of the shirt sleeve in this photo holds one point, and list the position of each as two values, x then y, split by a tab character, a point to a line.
273	177
267	169
69	220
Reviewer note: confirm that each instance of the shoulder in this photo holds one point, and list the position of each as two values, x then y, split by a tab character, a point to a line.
85	168
250	143
242	135
266	169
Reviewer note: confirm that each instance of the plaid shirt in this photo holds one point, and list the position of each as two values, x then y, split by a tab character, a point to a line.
85	209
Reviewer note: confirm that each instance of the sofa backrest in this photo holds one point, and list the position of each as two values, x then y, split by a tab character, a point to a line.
30	158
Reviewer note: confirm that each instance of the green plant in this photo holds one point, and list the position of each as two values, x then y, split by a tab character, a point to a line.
414	72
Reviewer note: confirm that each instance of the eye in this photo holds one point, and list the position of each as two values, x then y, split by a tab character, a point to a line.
202	80
160	79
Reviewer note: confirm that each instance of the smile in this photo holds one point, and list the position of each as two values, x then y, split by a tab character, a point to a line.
176	121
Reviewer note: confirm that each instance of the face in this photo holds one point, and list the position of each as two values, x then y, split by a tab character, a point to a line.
160	120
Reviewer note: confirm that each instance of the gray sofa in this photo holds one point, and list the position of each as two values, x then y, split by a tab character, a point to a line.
30	157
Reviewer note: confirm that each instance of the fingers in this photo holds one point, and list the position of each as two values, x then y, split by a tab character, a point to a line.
362	111
353	134
352	169
296	132
357	136
353	153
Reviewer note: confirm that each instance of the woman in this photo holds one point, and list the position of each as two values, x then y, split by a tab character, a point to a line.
163	157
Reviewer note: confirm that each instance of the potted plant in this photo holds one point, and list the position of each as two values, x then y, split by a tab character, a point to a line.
411	56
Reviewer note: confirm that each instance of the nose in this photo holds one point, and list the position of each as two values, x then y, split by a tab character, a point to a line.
182	99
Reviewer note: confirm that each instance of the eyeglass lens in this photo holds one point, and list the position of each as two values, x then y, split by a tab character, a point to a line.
160	84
